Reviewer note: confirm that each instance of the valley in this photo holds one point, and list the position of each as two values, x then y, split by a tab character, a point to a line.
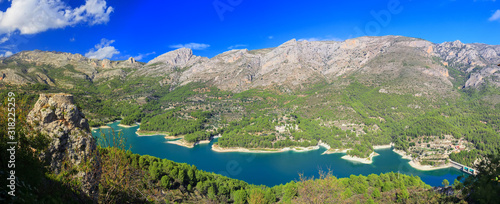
393	89
430	103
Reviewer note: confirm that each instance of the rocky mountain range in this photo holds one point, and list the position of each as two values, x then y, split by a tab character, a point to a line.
396	63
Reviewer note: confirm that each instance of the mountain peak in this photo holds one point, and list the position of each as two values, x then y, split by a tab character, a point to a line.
290	42
175	58
457	43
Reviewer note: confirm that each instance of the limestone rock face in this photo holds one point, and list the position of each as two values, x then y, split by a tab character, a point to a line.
297	63
57	116
11	76
110	74
492	74
178	57
44	79
170	62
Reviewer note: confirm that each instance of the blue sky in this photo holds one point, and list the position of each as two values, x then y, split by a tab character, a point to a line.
118	29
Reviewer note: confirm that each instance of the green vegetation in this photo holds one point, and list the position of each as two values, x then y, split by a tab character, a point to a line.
128	177
34	183
185	183
170	122
485	187
362	150
347	115
445	183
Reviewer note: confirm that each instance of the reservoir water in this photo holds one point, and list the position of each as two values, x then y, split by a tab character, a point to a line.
274	168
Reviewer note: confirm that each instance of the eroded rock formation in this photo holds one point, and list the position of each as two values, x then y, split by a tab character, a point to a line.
72	147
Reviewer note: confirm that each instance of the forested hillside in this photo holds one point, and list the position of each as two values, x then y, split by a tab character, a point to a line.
128	177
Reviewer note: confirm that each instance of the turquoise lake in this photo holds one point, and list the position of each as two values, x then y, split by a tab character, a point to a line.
274	168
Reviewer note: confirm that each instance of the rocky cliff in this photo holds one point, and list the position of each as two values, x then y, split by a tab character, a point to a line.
72	148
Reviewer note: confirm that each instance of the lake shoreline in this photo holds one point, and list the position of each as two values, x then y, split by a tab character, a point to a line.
416	165
335	151
216	148
367	160
100	127
402	153
127	126
383	146
179	140
308	162
375	147
142	133
184	143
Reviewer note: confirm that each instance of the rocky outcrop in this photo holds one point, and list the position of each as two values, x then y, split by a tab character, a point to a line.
44	79
488	74
476	59
170	63
72	148
109	75
177	58
11	76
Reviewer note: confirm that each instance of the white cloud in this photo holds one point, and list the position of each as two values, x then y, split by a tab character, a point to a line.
495	16
103	50
270	37
4	39
35	16
72	39
141	56
232	47
320	39
6	54
193	46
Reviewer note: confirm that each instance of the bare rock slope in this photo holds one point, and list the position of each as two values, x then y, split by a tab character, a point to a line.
402	62
70	140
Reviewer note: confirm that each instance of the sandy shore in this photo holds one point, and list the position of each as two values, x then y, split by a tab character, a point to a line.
100	127
216	148
335	151
168	137
322	144
417	165
383	146
126	126
402	153
300	149
202	142
420	167
367	160
113	122
182	142
140	132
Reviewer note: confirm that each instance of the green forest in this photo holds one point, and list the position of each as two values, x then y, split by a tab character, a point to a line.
154	180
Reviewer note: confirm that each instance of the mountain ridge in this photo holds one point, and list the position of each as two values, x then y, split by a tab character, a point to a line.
290	66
